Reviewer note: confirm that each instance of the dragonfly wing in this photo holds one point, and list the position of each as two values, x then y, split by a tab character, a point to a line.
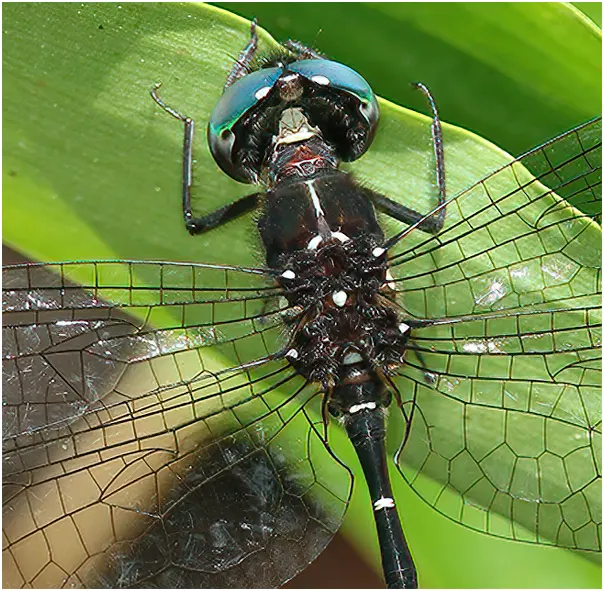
511	424
150	424
503	379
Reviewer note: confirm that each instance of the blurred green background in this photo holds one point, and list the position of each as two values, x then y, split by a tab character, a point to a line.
91	169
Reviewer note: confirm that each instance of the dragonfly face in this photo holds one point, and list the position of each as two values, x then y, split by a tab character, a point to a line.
198	476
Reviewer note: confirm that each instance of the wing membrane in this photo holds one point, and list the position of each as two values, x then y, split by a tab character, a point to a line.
68	344
505	381
117	388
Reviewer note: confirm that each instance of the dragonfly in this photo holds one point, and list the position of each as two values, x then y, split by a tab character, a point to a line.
168	393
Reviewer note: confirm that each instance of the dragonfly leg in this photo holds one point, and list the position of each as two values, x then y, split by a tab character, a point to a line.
221	215
439	154
302	50
436	221
197	225
241	67
405	214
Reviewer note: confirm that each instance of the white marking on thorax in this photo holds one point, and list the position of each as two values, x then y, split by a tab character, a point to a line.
292	354
288	274
383	503
315	199
320	214
403	327
363	406
390	280
340	236
339	298
314	242
378	251
351	358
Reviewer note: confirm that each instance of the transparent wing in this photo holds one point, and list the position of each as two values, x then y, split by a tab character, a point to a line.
125	435
504	382
70	343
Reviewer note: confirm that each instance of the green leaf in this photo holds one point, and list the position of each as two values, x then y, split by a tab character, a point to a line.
92	166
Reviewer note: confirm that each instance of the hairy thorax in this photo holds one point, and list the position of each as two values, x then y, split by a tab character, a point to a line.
345	315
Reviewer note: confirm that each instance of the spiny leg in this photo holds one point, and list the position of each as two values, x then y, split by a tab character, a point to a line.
223	214
241	67
302	50
435	222
439	154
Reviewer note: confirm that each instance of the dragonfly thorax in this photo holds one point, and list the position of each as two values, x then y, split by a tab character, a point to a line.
348	324
302	213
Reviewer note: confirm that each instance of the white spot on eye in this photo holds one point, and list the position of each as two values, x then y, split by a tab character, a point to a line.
378	251
292	354
340	236
363	406
351	358
383	503
323	80
314	243
403	327
288	274
262	92
339	298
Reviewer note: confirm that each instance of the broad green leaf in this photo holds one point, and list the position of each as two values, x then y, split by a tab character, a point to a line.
92	170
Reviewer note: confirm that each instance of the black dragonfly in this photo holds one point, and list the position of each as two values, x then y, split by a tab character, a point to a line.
190	404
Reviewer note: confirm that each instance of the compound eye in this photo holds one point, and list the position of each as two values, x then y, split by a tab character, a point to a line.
235	102
340	77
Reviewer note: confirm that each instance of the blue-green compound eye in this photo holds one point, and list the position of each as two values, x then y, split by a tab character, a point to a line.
235	102
340	77
240	97
244	94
